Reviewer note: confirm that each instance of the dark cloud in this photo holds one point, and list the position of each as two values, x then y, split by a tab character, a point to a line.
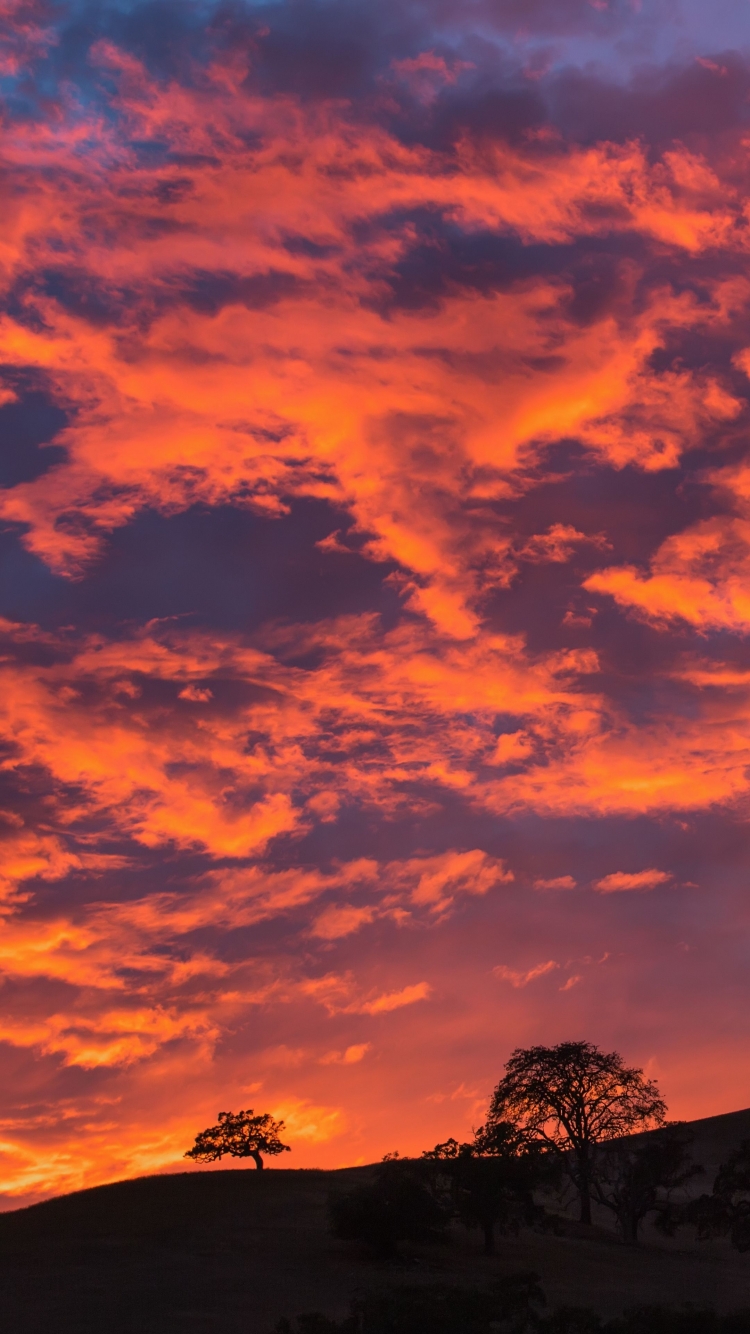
224	567
705	99
28	426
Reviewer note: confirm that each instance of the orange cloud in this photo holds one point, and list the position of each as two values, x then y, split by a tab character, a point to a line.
556	882
352	1056
396	1000
335	993
619	881
518	978
147	432
240	342
699	576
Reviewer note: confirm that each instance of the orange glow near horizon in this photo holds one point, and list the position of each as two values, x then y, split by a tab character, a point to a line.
374	569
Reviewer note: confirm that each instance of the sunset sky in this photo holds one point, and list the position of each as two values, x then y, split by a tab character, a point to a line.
374	565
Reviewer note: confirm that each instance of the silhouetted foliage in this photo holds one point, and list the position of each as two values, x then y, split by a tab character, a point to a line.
671	1320
639	1176
503	1139
572	1320
726	1211
510	1305
447	1151
644	1320
496	1195
314	1323
396	1206
241	1135
570	1098
513	1305
490	1181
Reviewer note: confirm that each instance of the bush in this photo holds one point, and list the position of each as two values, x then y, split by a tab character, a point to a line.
396	1206
572	1320
435	1309
512	1306
666	1320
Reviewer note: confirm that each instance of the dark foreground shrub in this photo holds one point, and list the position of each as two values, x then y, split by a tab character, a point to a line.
668	1320
315	1323
508	1307
396	1206
571	1320
512	1306
645	1320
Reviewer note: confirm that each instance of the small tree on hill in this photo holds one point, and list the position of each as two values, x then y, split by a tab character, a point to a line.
242	1135
570	1098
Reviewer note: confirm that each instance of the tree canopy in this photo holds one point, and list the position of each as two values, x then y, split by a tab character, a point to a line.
492	1179
571	1097
241	1135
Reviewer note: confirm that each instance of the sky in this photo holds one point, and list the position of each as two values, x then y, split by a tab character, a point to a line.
374	561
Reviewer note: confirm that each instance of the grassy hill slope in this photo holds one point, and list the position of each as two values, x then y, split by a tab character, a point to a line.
231	1251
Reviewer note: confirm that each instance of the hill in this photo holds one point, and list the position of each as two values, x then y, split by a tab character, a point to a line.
232	1251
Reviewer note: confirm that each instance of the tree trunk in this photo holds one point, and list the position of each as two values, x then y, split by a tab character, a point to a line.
254	1153
489	1238
585	1199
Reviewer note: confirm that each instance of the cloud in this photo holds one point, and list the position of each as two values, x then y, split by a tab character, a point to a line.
440	879
198	694
518	978
396	1000
571	982
335	922
218	294
352	1056
619	881
698	576
375	535
311	1124
558	544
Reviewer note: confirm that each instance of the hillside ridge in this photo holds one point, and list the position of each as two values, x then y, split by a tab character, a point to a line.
718	1133
202	1250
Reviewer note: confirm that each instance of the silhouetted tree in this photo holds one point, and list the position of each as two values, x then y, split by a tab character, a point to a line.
448	1150
638	1176
726	1211
242	1135
491	1180
396	1206
570	1098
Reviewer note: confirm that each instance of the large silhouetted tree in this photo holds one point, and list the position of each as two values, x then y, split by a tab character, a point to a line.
242	1135
570	1098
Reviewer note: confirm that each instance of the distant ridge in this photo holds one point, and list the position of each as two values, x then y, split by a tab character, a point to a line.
714	1138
